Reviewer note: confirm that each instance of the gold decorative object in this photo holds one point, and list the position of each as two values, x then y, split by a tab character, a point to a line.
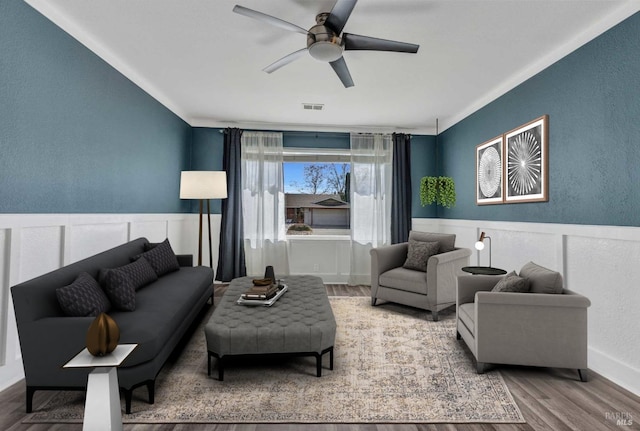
103	335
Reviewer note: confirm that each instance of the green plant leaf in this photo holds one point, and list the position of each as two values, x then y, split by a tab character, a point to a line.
439	190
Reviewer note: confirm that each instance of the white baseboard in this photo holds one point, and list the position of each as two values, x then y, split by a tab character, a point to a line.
618	372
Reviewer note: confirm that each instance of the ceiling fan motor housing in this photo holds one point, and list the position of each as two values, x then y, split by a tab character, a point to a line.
323	43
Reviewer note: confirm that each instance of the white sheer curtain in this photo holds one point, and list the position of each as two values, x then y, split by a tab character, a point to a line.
371	166
265	241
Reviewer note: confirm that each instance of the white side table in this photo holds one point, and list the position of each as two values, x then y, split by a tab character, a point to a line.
102	405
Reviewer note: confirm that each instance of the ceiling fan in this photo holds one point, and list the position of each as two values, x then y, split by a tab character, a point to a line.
325	41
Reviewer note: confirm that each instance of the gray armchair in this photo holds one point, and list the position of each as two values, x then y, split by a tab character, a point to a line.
533	329
432	290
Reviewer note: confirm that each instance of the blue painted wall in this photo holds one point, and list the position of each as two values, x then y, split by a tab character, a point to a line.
207	156
592	97
76	136
423	163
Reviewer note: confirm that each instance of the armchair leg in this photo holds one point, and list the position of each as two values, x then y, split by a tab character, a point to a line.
481	367
434	316
458	336
584	376
373	301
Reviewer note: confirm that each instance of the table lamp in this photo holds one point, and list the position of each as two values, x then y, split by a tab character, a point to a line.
203	185
480	244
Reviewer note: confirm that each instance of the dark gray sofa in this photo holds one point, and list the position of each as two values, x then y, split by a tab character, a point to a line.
165	309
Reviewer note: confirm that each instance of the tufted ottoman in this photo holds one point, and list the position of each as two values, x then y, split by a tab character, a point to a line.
300	323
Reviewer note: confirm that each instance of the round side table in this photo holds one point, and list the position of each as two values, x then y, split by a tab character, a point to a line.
483	270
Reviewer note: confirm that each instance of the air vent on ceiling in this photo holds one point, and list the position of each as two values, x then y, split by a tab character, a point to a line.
313	106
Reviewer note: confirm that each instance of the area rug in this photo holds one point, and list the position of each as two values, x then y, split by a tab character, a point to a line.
392	365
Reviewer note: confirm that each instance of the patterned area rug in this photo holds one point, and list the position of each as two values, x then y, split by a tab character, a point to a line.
392	365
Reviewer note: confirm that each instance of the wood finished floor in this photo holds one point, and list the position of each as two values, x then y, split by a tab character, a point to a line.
550	399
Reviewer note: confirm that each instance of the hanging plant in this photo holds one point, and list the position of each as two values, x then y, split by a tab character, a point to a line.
438	190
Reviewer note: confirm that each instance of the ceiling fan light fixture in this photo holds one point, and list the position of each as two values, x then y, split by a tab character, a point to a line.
325	51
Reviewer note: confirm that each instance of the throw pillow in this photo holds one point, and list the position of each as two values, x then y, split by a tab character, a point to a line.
83	297
419	253
119	288
541	279
162	258
512	283
140	272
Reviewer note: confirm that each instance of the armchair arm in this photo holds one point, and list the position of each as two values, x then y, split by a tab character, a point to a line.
442	270
458	253
385	258
546	300
468	285
388	257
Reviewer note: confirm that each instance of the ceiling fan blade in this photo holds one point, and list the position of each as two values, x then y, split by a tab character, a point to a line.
341	69
340	14
285	60
357	42
268	19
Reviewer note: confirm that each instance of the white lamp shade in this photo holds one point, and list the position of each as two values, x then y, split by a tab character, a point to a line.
203	185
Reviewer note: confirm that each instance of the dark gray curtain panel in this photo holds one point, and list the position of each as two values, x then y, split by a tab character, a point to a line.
401	188
231	252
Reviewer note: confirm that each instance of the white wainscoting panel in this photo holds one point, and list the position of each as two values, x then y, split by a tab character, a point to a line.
34	244
600	262
43	246
154	231
89	239
608	273
326	256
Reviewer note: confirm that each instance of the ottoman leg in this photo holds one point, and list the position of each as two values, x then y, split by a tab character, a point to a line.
331	359
318	365
220	369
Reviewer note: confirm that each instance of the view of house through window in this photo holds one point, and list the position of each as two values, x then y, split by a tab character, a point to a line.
317	196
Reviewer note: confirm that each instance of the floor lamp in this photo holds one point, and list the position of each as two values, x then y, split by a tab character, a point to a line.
203	185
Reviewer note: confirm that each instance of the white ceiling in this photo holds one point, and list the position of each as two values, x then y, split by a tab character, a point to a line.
205	62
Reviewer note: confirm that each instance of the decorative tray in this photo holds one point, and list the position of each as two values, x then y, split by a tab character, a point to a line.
263	302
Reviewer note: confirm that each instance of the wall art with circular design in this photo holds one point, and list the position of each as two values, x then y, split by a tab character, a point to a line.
489	172
526	162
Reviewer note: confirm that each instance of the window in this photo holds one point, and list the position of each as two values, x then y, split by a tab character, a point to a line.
316	183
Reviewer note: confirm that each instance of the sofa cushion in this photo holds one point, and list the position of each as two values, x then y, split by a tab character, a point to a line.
140	272
162	258
83	297
512	283
404	279
541	279
119	288
447	241
419	253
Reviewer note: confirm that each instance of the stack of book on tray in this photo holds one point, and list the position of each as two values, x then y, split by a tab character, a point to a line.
262	289
263	292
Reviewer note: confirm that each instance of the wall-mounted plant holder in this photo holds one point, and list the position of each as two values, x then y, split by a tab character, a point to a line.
438	190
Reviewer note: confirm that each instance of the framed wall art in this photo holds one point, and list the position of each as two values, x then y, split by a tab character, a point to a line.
489	172
526	177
